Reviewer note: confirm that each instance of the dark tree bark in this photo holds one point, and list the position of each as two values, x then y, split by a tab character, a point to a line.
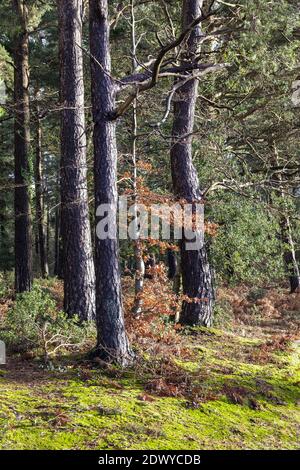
288	244
23	235
149	265
48	236
112	343
78	266
289	255
174	274
39	198
196	275
172	263
58	255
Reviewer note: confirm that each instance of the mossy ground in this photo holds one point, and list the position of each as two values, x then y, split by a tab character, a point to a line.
234	400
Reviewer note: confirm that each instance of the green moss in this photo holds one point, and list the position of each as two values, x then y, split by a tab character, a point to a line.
70	411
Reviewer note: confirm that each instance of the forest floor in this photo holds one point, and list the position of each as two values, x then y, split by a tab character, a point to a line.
236	386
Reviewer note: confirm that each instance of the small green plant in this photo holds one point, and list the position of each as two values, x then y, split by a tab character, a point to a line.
256	293
256	314
223	314
34	323
6	284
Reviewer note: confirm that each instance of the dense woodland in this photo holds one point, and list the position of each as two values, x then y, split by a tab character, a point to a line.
161	101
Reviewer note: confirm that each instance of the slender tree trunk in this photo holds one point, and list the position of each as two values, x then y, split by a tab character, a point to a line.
112	343
289	254
172	264
137	245
23	235
36	240
196	275
174	274
39	197
48	232
289	251
78	265
58	271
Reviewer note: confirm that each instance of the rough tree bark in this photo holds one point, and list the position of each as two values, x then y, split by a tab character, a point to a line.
39	197
78	265
196	274
23	235
112	342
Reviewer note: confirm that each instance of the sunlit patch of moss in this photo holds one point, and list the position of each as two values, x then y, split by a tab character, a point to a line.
165	423
71	409
205	331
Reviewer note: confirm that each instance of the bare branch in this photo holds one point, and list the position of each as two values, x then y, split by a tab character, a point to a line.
156	71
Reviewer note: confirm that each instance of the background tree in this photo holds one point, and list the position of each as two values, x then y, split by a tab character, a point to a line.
40	194
23	242
196	274
78	265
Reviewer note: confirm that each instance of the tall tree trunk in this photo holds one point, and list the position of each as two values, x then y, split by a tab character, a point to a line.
137	245
112	343
23	236
78	265
39	197
196	275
